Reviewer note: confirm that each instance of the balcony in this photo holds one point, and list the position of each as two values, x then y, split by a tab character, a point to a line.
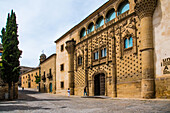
43	78
49	76
29	79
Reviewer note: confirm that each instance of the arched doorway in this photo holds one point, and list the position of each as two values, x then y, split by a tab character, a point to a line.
50	87
99	84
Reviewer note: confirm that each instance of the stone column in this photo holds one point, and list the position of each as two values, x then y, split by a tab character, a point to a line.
145	10
86	69
113	65
70	46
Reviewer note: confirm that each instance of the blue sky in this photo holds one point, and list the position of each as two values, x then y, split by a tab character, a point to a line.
41	22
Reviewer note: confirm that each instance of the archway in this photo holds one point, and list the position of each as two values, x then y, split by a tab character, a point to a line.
99	84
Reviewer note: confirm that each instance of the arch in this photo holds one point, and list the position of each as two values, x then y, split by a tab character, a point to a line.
99	22
90	28
82	32
98	72
110	15
123	7
79	52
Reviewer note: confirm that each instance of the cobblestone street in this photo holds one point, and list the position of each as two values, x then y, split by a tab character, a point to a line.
32	101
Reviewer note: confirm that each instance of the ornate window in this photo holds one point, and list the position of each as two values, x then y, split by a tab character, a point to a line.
128	42
83	33
110	15
104	52
96	55
99	22
90	28
80	59
123	7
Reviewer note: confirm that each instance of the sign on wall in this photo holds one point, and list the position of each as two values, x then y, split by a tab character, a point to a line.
166	65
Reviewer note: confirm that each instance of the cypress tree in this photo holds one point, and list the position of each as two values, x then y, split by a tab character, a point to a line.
11	54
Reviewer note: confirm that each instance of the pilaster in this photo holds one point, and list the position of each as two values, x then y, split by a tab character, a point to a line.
70	46
145	9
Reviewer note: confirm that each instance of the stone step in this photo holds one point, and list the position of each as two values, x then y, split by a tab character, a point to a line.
97	97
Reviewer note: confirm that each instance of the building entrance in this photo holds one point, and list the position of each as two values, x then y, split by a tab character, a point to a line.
29	85
50	87
99	84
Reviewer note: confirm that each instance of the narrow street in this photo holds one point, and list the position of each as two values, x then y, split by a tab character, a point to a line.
35	102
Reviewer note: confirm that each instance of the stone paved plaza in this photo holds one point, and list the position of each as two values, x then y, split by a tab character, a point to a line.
34	102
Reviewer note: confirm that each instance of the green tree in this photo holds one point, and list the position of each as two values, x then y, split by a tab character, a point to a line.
37	79
11	54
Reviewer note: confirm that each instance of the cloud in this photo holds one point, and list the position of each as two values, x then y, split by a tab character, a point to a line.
41	22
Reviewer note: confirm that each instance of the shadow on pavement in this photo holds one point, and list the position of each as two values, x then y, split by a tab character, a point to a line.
20	107
21	102
23	95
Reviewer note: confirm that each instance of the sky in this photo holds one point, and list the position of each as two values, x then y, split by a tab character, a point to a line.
41	22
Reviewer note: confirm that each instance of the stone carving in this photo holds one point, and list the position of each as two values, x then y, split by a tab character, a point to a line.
145	8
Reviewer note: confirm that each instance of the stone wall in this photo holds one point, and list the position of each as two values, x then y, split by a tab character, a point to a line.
46	78
129	72
61	58
163	87
4	90
161	33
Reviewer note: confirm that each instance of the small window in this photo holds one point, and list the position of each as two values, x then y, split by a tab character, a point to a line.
32	80
32	75
36	73
128	42
50	72
0	54
62	67
44	73
80	61
23	82
26	76
62	84
96	55
104	52
62	47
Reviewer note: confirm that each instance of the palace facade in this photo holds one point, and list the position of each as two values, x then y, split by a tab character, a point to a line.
28	78
120	50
